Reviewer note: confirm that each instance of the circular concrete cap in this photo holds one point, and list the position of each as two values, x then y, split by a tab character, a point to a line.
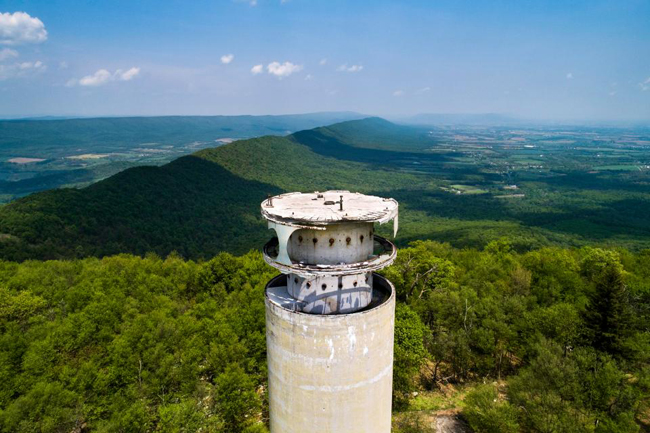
321	208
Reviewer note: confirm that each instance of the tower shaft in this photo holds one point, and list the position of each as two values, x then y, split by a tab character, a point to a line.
329	317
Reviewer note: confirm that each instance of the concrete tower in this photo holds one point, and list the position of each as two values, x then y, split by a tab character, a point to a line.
329	317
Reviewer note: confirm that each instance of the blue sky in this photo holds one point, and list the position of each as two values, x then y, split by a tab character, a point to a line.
563	60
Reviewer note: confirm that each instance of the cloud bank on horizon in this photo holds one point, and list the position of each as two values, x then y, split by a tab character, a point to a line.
377	57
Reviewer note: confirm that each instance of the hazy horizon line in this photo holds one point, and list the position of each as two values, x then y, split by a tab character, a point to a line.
507	118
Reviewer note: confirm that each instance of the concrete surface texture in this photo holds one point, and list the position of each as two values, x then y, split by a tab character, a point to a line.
338	243
331	373
326	207
329	317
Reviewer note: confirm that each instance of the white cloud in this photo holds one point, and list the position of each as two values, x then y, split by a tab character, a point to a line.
127	75
398	93
30	65
423	90
21	69
309	77
645	85
103	76
20	28
282	70
322	62
63	65
227	58
257	69
569	76
97	79
7	53
612	93
352	68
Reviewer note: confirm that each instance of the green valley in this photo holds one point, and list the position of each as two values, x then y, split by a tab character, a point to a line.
464	189
510	307
40	154
450	234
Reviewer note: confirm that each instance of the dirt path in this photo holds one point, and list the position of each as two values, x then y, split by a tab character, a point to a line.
451	424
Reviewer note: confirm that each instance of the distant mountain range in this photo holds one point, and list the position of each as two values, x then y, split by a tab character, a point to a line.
47	138
207	202
197	205
45	153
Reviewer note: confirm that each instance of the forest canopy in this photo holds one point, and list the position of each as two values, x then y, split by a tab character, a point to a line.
559	337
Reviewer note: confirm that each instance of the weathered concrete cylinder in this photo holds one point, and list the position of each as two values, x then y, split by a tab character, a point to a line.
331	373
338	243
329	317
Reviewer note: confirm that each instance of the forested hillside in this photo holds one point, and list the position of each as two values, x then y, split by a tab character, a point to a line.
41	154
449	190
52	138
516	323
191	206
554	340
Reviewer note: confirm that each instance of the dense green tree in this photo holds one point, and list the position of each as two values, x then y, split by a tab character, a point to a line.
410	353
577	391
47	407
418	272
236	401
488	413
609	315
129	343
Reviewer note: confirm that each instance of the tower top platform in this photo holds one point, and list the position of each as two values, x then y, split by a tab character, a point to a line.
330	207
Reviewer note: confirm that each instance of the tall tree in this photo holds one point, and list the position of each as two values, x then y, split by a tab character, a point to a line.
608	316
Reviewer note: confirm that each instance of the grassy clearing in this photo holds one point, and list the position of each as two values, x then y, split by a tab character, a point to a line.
423	410
464	189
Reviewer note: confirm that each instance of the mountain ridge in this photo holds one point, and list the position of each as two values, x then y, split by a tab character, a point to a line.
207	202
181	205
